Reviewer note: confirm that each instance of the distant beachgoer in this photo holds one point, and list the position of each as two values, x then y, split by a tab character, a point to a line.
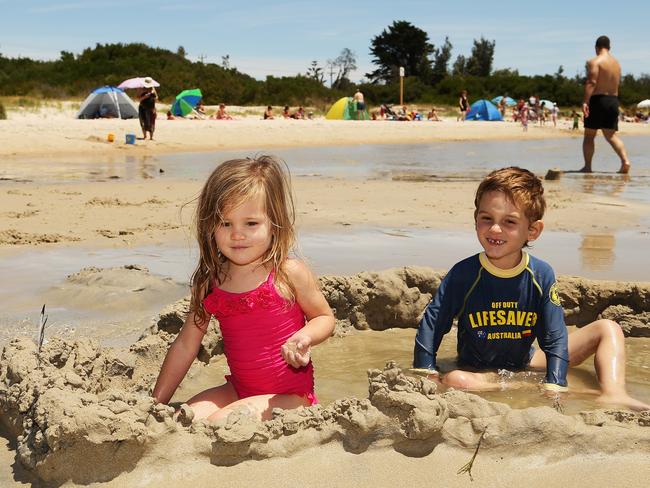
268	113
298	114
576	120
554	113
542	113
503	106
502	299
270	309
523	116
600	104
463	105
200	108
361	104
147	108
221	113
170	115
285	112
433	115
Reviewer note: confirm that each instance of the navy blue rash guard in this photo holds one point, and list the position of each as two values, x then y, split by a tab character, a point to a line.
500	313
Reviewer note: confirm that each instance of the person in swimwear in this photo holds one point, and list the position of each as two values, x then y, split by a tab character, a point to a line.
269	307
600	104
504	298
463	105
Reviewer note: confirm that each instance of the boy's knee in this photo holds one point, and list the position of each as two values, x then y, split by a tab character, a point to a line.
607	327
458	379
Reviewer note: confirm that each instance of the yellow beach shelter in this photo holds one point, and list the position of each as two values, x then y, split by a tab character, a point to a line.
346	109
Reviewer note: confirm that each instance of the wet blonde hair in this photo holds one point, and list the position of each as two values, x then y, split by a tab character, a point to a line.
520	186
231	184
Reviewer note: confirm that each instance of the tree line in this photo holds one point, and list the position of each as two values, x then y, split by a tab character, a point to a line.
431	76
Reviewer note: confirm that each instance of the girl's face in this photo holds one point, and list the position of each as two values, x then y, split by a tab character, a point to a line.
244	236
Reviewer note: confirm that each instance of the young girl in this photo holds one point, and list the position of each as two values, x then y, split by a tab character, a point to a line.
269	306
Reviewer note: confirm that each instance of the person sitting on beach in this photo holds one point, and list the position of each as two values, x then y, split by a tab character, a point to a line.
200	108
221	113
269	306
268	113
170	115
285	112
298	114
504	299
433	115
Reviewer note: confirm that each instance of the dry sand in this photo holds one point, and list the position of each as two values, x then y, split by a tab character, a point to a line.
83	411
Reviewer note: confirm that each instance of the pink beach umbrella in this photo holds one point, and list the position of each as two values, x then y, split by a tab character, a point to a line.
144	82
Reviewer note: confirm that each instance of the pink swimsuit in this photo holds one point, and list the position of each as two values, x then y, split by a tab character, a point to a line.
254	325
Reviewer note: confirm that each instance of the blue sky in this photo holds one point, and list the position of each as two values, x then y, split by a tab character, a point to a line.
282	38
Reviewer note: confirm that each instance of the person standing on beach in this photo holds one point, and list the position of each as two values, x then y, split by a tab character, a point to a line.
147	108
600	104
361	104
463	105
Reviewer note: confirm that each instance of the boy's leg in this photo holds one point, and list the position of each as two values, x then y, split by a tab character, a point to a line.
210	401
465	380
605	339
261	407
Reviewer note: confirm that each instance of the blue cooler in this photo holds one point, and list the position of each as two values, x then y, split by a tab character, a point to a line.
130	138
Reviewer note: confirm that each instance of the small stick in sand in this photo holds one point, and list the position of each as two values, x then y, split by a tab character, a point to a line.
41	328
468	467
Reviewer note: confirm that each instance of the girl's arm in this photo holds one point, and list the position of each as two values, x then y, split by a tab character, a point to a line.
320	319
179	359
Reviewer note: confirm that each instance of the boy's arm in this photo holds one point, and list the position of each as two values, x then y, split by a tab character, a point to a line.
179	359
553	339
435	323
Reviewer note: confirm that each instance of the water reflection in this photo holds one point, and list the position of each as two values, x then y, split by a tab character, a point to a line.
609	185
597	251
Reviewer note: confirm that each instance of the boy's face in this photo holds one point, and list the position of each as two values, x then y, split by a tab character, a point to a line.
503	229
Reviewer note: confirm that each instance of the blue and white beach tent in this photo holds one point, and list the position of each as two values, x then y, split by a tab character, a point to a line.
483	110
108	102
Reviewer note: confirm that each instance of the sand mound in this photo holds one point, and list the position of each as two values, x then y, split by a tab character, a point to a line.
396	298
120	288
81	412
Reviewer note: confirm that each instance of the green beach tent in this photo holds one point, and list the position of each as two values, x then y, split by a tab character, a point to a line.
346	109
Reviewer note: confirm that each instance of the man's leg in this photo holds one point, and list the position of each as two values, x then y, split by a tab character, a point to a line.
605	339
588	149
619	148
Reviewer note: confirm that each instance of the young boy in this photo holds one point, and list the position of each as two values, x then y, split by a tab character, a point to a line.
504	298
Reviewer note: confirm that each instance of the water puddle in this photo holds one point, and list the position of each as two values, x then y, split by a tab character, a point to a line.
341	365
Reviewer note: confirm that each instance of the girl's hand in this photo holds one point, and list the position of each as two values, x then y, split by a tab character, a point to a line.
296	351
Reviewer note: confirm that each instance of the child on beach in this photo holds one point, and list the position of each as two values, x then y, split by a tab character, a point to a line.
523	116
576	120
504	298
269	306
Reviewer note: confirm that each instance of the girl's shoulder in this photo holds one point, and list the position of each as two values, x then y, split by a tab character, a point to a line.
297	271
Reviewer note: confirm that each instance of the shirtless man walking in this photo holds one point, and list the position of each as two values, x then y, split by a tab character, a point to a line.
600	104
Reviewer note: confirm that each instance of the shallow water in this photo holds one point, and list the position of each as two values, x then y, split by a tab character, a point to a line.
444	161
341	365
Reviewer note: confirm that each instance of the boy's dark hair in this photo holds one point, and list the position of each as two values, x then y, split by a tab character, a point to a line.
602	42
520	186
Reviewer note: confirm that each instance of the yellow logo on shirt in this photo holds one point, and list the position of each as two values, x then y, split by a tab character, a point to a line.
554	296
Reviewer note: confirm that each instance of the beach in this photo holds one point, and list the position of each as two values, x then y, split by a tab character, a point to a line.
93	388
